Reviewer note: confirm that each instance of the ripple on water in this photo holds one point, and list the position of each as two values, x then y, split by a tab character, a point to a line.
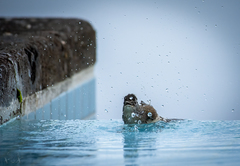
96	142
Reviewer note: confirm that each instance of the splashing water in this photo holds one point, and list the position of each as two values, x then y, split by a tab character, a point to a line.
133	114
149	114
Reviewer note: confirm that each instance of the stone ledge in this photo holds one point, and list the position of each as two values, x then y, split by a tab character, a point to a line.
37	53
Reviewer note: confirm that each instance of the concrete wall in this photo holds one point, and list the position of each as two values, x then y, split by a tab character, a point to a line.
42	56
78	102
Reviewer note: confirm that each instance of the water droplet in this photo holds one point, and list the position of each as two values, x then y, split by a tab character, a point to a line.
149	114
162	105
149	101
28	26
233	110
133	115
97	115
18	117
166	89
106	110
79	22
131	98
136	128
139	121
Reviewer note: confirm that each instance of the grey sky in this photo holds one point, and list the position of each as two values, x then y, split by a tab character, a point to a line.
182	55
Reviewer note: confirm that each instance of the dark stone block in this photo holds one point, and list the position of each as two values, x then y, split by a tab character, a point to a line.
37	53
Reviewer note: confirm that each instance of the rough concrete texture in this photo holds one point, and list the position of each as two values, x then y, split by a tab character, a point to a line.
37	53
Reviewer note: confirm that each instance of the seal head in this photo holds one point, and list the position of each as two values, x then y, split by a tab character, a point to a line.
133	113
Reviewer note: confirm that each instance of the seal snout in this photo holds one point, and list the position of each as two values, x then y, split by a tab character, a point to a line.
130	99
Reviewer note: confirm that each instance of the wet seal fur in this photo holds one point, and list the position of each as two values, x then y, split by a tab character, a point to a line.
134	113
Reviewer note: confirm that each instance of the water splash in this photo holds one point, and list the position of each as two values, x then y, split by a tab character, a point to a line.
149	114
133	115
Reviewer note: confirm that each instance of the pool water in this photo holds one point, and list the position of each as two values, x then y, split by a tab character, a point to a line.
96	142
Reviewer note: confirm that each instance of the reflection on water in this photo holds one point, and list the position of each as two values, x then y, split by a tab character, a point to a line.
135	142
93	142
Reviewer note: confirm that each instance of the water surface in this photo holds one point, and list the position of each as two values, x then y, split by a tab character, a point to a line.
94	142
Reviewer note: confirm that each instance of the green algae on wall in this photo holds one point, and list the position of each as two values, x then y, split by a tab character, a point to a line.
19	95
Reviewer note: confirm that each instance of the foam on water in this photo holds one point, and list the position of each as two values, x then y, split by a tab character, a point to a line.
93	142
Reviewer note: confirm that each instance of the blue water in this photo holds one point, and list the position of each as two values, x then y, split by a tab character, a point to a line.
96	142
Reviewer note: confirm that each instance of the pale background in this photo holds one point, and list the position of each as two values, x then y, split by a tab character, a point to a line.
181	55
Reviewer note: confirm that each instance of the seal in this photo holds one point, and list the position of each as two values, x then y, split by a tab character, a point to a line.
134	113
